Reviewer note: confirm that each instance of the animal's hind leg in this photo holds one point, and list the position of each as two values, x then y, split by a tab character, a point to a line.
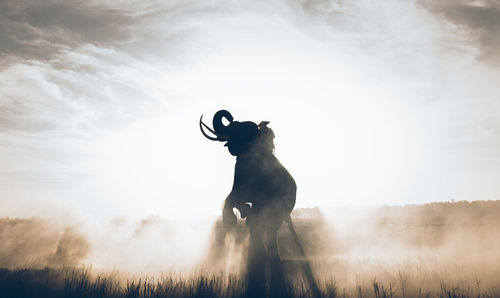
272	243
278	285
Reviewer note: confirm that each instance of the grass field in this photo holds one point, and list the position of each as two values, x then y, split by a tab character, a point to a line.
417	280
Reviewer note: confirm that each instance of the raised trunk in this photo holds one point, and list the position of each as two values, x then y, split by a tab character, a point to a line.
219	127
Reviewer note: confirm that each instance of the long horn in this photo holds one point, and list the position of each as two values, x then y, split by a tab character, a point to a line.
218	138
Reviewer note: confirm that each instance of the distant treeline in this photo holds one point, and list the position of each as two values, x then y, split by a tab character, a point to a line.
433	225
443	213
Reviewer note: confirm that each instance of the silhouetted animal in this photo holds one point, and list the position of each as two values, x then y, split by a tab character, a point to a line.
263	190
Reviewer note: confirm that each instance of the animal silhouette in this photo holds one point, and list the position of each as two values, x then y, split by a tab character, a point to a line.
264	193
263	190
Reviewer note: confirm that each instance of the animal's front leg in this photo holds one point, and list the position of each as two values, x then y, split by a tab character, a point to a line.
228	217
256	269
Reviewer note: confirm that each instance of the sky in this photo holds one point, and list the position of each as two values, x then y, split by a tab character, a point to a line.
372	102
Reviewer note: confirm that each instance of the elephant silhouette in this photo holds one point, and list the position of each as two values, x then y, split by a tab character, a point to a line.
263	192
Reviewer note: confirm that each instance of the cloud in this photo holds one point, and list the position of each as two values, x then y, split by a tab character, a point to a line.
72	72
39	30
480	20
42	30
79	91
76	67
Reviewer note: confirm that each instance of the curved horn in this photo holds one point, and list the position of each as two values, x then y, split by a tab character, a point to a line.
218	138
219	127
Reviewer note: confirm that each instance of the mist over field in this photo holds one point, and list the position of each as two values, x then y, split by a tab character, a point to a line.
150	245
423	246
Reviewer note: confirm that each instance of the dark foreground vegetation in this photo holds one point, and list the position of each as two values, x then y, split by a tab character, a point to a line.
74	282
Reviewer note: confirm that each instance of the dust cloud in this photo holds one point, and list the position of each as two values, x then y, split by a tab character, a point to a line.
436	245
34	242
151	245
397	247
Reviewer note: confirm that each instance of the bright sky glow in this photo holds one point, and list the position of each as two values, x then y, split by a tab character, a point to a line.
372	102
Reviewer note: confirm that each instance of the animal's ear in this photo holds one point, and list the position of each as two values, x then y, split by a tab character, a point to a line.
263	124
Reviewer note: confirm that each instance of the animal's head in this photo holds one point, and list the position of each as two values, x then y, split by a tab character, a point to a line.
239	136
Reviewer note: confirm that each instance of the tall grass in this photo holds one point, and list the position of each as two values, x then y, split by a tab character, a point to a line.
81	282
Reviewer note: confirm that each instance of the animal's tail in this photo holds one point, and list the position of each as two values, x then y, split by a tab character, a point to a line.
305	265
